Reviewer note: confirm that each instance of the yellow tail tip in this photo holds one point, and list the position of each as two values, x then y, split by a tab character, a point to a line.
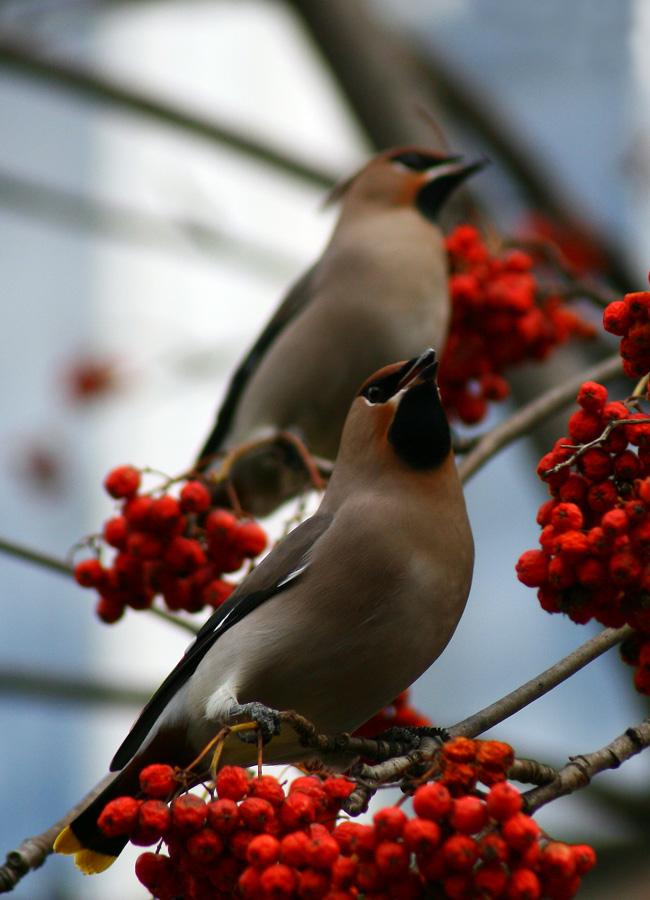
91	862
67	842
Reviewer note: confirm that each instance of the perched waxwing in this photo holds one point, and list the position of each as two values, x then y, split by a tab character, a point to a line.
378	292
344	614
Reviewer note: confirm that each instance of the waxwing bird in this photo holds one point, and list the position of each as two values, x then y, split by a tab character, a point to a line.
378	292
344	614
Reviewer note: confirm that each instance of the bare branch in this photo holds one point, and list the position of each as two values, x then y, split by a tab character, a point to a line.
64	568
526	418
33	852
541	684
86	84
580	770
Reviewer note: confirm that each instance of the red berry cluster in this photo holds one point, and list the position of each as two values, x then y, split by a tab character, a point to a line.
498	320
177	548
595	539
250	839
630	320
400	714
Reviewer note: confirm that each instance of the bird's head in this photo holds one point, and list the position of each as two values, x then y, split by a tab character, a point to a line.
397	421
407	176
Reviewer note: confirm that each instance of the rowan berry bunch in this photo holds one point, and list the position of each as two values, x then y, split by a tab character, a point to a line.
499	319
174	547
252	839
629	319
594	560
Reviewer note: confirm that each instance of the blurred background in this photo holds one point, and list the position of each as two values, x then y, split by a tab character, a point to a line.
162	169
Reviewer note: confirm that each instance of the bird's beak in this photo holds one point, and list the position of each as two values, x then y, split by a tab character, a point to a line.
442	180
423	369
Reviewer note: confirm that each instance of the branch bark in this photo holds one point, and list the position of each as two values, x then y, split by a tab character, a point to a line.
580	770
94	87
541	684
33	852
521	422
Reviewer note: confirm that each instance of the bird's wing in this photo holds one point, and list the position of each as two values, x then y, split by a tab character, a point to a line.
295	301
275	573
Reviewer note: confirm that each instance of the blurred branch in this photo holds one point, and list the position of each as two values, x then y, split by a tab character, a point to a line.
579	771
33	852
521	422
52	686
388	81
85	214
60	74
541	684
18	551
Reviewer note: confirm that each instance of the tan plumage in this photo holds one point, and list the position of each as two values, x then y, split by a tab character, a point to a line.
378	292
346	612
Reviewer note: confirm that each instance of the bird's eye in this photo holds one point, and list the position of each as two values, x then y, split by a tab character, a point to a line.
416	161
375	394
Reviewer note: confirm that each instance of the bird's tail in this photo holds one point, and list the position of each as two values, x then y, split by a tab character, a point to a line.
93	850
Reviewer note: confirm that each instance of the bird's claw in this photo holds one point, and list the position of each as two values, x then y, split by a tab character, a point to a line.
412	734
268	722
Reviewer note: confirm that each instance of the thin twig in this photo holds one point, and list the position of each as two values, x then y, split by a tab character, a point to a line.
580	770
11	548
95	87
33	852
541	684
521	422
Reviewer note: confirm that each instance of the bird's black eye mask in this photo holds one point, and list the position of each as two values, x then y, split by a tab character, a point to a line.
420	162
381	389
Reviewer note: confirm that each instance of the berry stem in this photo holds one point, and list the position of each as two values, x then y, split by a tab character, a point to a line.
533	413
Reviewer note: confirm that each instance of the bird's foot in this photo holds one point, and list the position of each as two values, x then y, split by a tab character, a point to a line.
268	721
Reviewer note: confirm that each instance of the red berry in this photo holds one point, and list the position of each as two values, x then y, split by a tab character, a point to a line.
421	836
523	884
154	818
122	482
119	816
256	813
293	848
263	851
490	881
468	815
595	464
460	852
115	532
391	859
216	591
204	845
432	801
165	514
585	426
314	885
188	813
158	780
221	525
223	815
248	883
519	831
194	497
278	882
268	788
492	848
389	823
557	861
89	573
584	856
249	539
592	396
297	811
156	872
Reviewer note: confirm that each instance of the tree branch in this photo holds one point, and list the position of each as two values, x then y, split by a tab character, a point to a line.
64	568
541	684
33	852
94	87
528	416
580	770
